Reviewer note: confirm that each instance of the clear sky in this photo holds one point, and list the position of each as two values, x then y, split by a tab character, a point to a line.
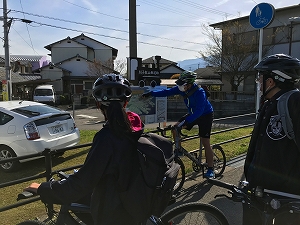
170	28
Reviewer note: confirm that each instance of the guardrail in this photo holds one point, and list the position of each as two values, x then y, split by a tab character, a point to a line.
47	154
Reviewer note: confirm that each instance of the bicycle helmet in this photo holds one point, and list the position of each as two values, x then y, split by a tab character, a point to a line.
186	77
280	67
111	87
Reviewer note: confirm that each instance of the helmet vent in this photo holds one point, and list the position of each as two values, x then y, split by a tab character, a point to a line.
109	92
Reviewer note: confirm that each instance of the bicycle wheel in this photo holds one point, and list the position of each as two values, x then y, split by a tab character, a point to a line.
194	213
219	160
32	222
181	176
287	215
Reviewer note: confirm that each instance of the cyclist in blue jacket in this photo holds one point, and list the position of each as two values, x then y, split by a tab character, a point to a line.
200	111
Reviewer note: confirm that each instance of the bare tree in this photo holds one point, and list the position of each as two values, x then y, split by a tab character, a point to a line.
121	66
233	51
97	68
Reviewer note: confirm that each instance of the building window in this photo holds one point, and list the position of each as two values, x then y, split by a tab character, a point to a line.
88	85
28	70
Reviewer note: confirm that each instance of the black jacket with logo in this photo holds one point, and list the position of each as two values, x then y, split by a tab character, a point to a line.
273	160
108	164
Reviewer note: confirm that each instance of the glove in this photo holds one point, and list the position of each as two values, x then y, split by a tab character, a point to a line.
146	95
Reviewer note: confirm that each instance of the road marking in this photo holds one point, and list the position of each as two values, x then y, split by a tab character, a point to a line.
87	116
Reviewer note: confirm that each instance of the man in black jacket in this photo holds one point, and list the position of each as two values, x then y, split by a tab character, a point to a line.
273	160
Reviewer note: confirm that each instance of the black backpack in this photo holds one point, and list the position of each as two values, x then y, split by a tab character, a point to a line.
284	115
151	189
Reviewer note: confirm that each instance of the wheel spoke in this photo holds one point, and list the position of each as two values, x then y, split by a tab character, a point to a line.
6	154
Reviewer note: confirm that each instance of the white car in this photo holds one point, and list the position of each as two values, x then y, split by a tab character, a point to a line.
28	127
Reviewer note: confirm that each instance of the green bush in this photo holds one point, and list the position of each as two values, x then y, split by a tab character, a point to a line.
64	99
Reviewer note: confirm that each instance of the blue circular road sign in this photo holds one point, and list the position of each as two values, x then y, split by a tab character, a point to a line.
261	15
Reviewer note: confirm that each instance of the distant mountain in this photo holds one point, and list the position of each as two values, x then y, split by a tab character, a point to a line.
192	64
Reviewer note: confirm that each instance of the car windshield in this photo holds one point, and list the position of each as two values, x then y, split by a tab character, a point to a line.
43	92
36	110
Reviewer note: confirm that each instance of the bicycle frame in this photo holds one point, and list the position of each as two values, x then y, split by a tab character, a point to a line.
271	203
196	156
197	161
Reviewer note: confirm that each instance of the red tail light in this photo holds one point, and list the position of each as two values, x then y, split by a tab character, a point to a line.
31	131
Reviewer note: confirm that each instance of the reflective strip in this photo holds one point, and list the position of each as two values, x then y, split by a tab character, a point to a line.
282	74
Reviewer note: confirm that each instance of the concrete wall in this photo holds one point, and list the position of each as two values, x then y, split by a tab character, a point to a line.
176	108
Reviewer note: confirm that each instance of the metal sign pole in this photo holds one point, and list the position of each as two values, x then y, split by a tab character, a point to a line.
260	17
258	92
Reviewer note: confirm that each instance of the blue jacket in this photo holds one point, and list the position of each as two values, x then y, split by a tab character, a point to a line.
197	103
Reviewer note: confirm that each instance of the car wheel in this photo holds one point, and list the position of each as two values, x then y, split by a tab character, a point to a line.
6	153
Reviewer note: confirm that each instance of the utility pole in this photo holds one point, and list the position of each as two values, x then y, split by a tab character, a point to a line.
6	50
132	29
133	63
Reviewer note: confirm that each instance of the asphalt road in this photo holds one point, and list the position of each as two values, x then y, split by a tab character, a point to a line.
90	118
195	188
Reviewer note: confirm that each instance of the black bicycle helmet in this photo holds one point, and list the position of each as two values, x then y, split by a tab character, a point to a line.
111	87
186	77
280	67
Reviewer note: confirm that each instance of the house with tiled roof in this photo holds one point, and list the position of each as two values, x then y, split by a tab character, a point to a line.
26	63
22	83
208	76
157	68
70	60
167	71
150	62
23	80
67	71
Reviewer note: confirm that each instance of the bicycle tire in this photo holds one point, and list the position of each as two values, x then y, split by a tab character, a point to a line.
180	178
32	222
194	213
285	215
219	160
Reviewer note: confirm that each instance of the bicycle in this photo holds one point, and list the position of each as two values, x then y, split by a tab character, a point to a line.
198	161
188	213
273	206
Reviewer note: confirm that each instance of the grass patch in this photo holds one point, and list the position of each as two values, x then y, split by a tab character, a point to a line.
77	156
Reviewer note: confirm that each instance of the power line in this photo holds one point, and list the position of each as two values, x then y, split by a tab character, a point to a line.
26	41
204	8
94	11
107	36
102	27
27	27
169	8
152	24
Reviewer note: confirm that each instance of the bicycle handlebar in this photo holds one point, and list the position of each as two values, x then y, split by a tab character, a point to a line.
237	194
168	128
222	184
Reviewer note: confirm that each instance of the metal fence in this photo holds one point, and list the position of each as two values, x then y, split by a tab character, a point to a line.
48	155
